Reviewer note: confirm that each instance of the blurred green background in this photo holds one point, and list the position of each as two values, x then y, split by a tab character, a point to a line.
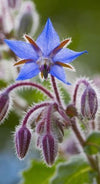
79	20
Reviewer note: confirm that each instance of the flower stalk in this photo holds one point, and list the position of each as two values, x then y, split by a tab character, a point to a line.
30	84
36	107
55	89
85	82
82	143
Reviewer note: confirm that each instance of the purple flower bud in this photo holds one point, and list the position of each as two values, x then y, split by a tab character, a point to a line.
89	103
12	3
22	140
40	127
50	148
4	105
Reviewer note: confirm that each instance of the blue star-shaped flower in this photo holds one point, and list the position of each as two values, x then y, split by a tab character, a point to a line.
46	55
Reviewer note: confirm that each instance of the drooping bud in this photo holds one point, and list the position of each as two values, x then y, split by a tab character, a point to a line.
25	25
40	127
22	141
4	104
89	103
28	19
57	129
13	3
50	148
71	111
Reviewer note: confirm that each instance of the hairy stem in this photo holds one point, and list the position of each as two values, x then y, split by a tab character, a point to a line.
31	84
55	89
82	143
93	123
32	110
48	119
76	89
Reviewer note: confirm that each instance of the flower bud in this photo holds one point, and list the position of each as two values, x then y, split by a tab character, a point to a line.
27	20
89	103
4	105
58	131
25	25
40	127
13	3
22	140
50	148
71	111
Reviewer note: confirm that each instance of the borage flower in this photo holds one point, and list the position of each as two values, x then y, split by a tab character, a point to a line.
46	55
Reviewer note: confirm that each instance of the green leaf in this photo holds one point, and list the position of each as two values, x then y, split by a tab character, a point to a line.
32	95
11	121
3	83
38	173
65	95
92	145
74	171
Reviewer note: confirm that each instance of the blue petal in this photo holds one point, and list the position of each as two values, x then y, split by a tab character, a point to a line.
58	72
67	55
22	49
28	71
48	39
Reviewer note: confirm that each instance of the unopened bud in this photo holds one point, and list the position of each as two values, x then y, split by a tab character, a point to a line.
57	129
22	140
4	105
40	127
71	111
89	103
50	148
13	3
26	21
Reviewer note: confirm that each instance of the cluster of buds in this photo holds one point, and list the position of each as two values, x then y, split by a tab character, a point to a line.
50	132
49	124
49	129
51	119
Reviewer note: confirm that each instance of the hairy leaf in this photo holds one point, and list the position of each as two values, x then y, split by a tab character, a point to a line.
92	145
38	173
74	171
